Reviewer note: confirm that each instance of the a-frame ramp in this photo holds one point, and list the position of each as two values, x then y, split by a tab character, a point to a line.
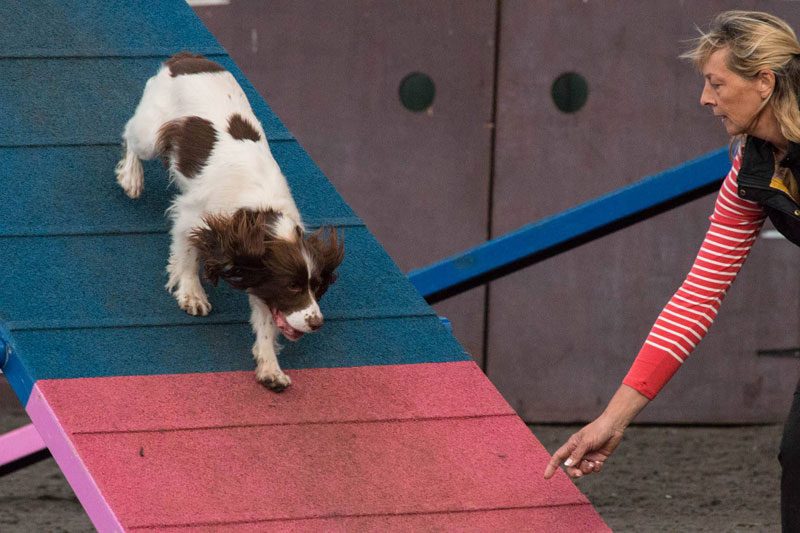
154	416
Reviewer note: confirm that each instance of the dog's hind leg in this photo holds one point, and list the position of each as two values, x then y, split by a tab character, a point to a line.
130	174
140	135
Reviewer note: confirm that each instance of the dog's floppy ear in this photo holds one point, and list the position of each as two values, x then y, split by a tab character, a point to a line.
231	247
328	251
238	277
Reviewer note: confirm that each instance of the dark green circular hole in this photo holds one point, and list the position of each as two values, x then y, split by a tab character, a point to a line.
417	91
570	92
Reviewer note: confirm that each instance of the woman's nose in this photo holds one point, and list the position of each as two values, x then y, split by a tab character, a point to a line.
706	97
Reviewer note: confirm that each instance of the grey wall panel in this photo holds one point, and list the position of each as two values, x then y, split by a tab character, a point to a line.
563	333
331	71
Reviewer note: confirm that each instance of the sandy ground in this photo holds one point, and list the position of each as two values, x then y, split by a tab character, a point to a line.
660	479
666	478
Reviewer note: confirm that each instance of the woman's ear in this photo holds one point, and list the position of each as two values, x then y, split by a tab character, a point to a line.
765	80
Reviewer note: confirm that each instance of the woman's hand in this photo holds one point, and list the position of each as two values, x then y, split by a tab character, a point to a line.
587	450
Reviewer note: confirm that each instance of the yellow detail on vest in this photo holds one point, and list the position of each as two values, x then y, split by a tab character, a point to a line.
785	182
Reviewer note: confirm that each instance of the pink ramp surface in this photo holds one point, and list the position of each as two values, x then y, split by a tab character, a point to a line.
375	448
563	519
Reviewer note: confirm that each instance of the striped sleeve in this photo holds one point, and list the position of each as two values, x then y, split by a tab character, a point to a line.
685	319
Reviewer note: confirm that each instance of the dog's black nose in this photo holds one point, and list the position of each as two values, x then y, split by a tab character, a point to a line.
315	322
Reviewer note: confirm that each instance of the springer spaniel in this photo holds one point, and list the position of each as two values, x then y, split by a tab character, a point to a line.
234	212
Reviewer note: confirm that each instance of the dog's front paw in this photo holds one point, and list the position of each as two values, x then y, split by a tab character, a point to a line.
194	303
276	381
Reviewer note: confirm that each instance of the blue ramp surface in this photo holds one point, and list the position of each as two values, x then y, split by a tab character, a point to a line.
86	265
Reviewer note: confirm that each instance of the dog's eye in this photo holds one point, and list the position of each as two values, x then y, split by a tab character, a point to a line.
295	287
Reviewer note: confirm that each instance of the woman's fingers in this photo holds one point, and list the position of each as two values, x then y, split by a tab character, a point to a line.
560	456
584	468
587	467
590	467
571	454
578	456
575	459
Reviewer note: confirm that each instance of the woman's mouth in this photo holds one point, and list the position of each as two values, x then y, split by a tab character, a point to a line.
288	331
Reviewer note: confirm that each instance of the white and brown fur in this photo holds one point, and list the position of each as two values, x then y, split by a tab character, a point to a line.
235	212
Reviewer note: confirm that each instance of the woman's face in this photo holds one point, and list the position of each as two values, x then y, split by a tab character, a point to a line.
734	99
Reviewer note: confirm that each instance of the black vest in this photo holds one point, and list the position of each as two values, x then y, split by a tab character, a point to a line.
755	174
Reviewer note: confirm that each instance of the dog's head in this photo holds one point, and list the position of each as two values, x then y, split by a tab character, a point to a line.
271	258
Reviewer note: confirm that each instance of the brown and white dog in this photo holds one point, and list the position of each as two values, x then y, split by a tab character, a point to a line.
234	212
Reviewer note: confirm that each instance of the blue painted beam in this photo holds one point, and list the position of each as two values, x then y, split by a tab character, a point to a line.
550	236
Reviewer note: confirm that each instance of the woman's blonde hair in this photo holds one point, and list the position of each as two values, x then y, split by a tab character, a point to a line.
758	41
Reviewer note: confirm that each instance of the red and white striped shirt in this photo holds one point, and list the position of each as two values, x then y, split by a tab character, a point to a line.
685	319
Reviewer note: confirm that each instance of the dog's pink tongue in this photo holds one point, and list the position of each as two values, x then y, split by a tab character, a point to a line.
288	331
279	319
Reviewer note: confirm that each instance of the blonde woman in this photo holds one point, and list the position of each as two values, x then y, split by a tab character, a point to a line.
750	63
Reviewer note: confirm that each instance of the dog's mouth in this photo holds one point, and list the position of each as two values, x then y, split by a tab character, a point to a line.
288	331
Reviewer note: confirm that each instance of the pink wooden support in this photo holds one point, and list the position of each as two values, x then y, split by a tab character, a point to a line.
20	443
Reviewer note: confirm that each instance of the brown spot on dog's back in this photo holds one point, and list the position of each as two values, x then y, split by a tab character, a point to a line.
187	142
241	129
188	63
